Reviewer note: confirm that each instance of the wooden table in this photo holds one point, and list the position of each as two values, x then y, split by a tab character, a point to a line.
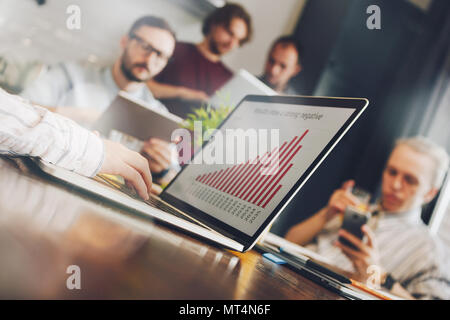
46	227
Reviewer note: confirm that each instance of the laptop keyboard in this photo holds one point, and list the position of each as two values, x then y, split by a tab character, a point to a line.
152	201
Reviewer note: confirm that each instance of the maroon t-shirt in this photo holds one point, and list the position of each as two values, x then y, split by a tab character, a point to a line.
189	68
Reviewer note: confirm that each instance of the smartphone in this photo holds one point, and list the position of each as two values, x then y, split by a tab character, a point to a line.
353	221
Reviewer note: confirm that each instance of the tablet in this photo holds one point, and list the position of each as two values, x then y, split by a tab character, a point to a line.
130	117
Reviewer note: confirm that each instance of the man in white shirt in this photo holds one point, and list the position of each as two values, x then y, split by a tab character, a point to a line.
84	92
30	130
400	246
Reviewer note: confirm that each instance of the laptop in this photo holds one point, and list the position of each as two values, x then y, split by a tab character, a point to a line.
231	203
243	83
129	120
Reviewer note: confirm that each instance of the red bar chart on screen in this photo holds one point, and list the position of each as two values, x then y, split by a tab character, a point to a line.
256	181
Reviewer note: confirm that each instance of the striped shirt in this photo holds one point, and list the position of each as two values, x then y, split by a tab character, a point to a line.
29	130
407	251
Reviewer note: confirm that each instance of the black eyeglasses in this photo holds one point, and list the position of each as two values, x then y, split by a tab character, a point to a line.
149	49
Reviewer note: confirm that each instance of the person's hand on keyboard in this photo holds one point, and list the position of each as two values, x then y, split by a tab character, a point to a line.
156	189
130	165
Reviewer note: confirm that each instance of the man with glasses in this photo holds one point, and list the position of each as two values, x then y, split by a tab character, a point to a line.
196	70
399	245
83	92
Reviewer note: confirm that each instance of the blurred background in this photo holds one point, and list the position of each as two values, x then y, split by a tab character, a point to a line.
36	30
403	69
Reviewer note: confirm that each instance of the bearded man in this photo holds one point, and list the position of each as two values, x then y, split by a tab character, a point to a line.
83	91
196	71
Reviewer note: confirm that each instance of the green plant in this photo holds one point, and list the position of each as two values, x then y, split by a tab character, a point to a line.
209	117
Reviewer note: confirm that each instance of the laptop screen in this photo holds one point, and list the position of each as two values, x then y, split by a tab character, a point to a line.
248	167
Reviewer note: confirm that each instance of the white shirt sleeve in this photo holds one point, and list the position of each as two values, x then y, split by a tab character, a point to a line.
30	130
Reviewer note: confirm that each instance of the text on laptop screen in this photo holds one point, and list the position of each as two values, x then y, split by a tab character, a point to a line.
261	151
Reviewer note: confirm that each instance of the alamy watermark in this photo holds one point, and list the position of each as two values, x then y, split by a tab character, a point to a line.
374	280
73	282
230	146
374	20
73	21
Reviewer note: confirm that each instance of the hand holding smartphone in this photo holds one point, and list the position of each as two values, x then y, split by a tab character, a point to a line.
353	221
